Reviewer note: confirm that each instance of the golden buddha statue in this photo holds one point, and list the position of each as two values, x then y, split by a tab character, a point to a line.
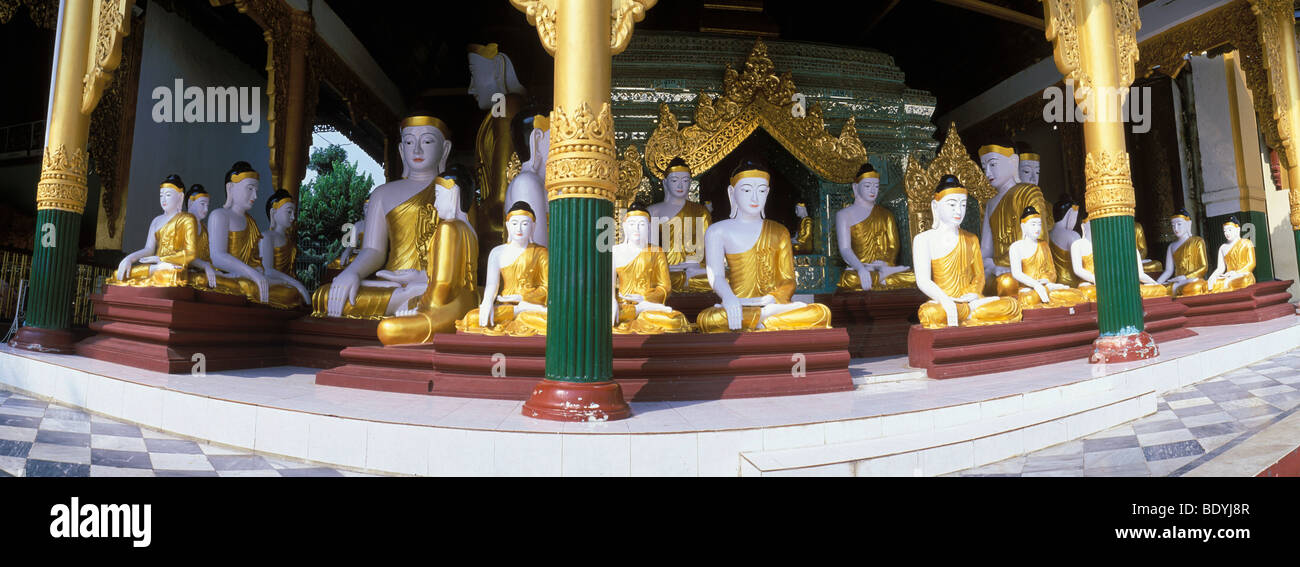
514	296
1149	266
235	239
1002	213
751	265
803	239
868	239
492	73
1084	268
453	267
204	276
278	250
641	281
533	139
949	268
1185	261
1236	260
400	220
682	225
169	248
1033	271
1062	236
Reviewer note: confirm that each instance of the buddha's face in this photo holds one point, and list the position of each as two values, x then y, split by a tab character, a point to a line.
422	150
1182	227
1032	228
636	229
950	210
800	211
483	81
284	215
1029	171
678	184
170	198
242	195
749	196
867	189
1232	232
520	229
445	200
999	169
199	207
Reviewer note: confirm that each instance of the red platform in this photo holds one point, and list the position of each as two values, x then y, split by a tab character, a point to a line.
161	329
877	321
1259	302
691	304
686	366
1044	336
318	342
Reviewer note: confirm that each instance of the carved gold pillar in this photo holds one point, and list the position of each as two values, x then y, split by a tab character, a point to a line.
1276	19
1095	46
581	181
89	50
297	135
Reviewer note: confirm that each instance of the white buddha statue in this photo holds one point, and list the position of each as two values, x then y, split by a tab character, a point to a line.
1236	260
1030	164
678	226
197	201
1033	269
751	265
1185	261
1083	265
169	247
514	293
277	250
394	224
950	271
868	239
641	281
1002	212
234	239
1062	237
530	185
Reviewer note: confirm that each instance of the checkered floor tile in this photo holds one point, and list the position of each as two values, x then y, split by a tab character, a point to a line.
1191	426
42	439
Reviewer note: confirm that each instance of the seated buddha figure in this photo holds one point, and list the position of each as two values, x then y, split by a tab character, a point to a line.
949	268
234	239
751	265
641	282
277	249
1034	271
803	239
681	224
1062	236
453	268
1185	261
530	185
868	239
203	274
1236	261
1002	213
400	213
169	248
514	295
349	253
1084	267
1149	266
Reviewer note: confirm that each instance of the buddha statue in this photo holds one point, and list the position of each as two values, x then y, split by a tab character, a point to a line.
400	214
1033	269
197	201
1002	212
530	185
1185	261
1149	266
277	249
868	239
1084	267
949	268
641	282
682	225
1062	236
1236	261
803	239
350	252
751	265
492	73
453	269
708	206
234	240
169	248
514	295
1030	163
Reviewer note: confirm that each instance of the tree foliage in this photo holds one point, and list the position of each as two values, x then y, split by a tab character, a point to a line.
325	204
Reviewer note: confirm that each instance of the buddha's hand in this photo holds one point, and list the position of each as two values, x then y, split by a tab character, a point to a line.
767	300
864	278
485	313
731	305
633	297
513	298
404	278
123	268
999	270
1042	292
342	289
1055	286
167	266
211	272
263	286
967	297
149	260
949	306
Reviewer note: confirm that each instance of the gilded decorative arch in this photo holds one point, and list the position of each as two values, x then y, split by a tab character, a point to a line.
755	98
953	159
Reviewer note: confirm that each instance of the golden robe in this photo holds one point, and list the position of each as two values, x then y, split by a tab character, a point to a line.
452	291
1154	266
803	240
767	268
1190	262
647	275
1064	266
876	238
407	223
682	237
958	273
493	146
176	242
525	277
242	245
1004	220
1040	266
1239	258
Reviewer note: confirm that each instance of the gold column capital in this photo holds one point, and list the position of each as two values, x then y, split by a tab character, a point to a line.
582	159
623	15
1109	189
63	179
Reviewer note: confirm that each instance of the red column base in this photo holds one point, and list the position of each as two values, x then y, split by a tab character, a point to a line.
1124	348
56	341
577	401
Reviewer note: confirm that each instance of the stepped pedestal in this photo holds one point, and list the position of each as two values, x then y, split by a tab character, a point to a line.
877	321
319	341
1259	302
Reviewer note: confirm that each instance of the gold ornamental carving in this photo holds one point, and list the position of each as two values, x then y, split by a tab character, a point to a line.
752	98
1273	18
43	13
513	167
1062	18
952	159
623	15
630	175
112	23
63	180
1109	184
582	156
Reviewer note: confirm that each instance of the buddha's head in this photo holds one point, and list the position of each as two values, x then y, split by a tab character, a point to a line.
425	145
1085	226
520	222
1029	163
241	187
171	194
749	184
1031	224
1232	229
281	210
677	179
1067	211
949	204
708	205
999	163
1181	222
636	225
866	186
490	72
801	210
197	201
453	191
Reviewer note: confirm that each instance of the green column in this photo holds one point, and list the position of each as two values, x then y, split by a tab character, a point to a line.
579	324
1119	306
54	270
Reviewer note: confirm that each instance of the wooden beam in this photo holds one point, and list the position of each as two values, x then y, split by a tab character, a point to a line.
998	12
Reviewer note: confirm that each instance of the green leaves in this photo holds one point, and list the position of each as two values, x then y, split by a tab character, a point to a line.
335	197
